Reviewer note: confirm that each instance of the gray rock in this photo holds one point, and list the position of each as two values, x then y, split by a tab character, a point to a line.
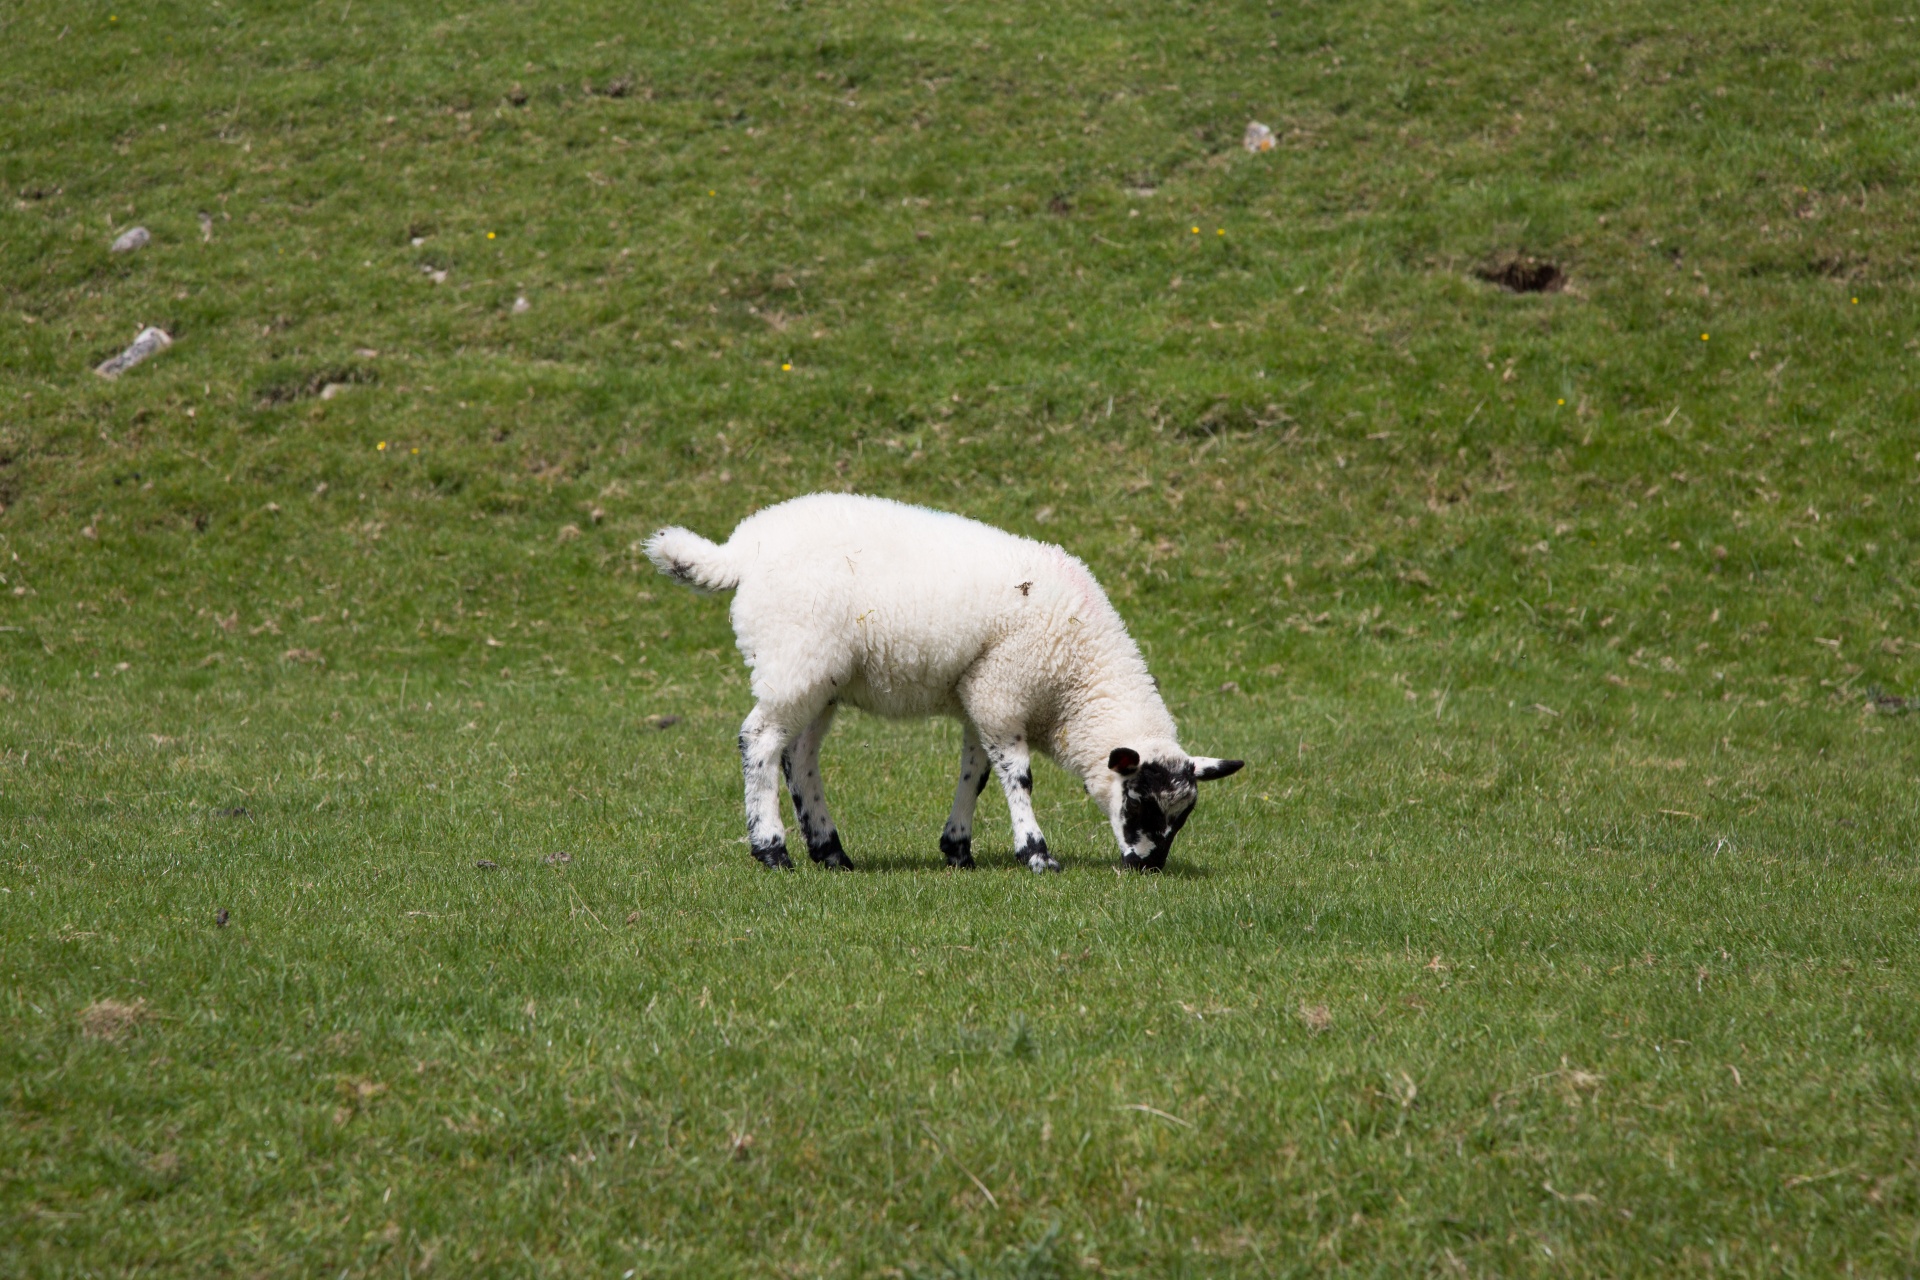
151	342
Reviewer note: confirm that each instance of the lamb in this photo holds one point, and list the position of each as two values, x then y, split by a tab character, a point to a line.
902	611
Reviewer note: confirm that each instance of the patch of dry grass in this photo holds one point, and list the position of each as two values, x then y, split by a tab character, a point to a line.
111	1020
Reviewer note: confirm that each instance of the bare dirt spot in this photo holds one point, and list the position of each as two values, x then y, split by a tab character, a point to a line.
356	1096
315	385
109	1020
1841	266
1891	704
1523	274
1317	1016
619	87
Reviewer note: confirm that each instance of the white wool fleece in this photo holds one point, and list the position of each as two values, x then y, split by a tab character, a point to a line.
903	611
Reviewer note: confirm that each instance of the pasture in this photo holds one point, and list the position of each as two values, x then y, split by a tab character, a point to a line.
1562	923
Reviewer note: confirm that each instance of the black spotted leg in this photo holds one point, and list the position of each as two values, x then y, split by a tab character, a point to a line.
956	841
763	741
1014	763
802	766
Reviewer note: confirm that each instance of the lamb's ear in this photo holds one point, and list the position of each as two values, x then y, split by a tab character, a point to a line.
1124	761
1207	768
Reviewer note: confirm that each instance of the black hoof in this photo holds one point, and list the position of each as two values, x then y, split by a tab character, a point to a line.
1033	854
774	856
959	852
830	855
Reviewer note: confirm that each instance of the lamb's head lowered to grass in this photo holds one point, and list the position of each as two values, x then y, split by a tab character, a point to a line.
902	611
1148	801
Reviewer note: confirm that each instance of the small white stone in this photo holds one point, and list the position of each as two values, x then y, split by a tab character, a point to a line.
134	238
150	342
521	306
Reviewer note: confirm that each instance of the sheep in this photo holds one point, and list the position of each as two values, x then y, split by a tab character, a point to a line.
903	611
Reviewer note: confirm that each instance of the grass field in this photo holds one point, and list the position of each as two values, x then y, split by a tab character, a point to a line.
1563	923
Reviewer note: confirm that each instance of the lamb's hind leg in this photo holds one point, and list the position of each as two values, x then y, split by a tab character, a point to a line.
763	740
1013	761
957	840
802	765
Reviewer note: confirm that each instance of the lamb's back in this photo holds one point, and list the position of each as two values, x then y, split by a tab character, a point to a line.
876	552
893	595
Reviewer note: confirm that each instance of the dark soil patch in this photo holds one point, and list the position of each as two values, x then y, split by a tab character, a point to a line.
1524	275
619	87
306	389
1891	704
1837	267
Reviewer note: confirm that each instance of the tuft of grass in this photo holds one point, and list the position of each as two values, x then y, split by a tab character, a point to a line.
110	1019
1561	923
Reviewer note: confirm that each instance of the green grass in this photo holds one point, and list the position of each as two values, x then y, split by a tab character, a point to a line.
1564	921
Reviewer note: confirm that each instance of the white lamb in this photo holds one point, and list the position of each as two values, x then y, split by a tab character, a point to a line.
903	611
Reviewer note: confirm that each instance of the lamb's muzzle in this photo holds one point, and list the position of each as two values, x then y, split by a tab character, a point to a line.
903	611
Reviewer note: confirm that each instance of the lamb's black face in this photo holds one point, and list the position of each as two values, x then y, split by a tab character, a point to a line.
1156	802
1156	799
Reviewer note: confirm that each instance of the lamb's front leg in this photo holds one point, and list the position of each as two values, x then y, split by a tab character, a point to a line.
1014	763
957	840
763	740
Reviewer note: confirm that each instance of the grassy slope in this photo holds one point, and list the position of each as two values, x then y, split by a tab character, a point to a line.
1564	921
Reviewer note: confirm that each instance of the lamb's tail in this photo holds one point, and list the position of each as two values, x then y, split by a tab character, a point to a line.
691	560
